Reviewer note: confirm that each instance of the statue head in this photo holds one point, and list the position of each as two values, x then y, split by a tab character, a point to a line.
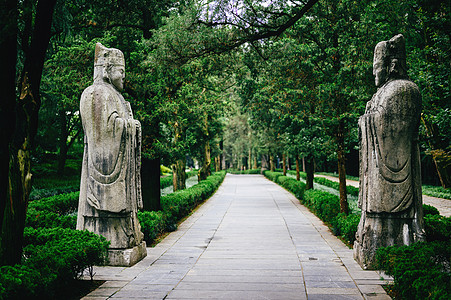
109	66
390	60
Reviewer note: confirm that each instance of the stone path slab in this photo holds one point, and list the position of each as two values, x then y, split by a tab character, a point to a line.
251	240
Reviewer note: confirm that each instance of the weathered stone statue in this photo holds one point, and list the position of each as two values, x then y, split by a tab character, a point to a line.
110	188
390	183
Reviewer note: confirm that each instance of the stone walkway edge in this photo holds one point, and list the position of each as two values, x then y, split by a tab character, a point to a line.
251	240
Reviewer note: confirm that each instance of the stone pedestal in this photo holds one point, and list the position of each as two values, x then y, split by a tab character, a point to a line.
127	257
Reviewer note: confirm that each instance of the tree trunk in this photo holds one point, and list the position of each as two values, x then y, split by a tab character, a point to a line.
272	165
264	162
8	44
441	157
218	163
178	175
26	109
341	159
150	184
298	173
62	155
303	164
310	171
204	171
255	162
284	163
249	161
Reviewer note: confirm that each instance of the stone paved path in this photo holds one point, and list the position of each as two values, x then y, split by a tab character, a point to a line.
443	205
251	240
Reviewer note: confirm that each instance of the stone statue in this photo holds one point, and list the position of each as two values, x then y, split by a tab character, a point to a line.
390	179
110	188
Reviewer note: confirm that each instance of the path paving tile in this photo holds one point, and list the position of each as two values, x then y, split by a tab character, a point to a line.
251	240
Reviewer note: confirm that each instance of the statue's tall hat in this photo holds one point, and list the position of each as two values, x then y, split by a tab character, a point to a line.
108	56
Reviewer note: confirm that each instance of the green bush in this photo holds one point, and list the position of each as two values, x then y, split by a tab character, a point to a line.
19	282
326	206
430	210
63	252
420	271
437	228
53	259
55	211
297	188
437	191
272	175
153	224
335	185
346	226
251	171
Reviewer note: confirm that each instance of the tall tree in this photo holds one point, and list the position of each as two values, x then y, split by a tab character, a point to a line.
20	114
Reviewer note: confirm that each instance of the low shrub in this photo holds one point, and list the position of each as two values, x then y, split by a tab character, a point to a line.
272	175
420	271
153	224
345	226
437	191
297	188
430	210
325	205
251	171
53	258
437	228
55	211
335	185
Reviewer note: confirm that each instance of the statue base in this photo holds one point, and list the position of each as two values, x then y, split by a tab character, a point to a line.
127	257
383	230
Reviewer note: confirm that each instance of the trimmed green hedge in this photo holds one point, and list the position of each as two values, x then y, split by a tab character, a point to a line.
297	188
335	185
420	271
176	206
251	171
55	211
53	259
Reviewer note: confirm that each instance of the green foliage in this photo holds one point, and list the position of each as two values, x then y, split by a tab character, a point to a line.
326	206
153	224
165	170
437	191
55	211
272	175
19	282
53	259
167	180
297	188
346	226
420	271
252	171
437	228
430	210
335	185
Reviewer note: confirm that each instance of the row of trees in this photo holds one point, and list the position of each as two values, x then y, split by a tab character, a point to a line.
209	78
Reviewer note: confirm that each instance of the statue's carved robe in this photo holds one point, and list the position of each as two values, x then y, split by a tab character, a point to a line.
389	149
110	192
390	179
